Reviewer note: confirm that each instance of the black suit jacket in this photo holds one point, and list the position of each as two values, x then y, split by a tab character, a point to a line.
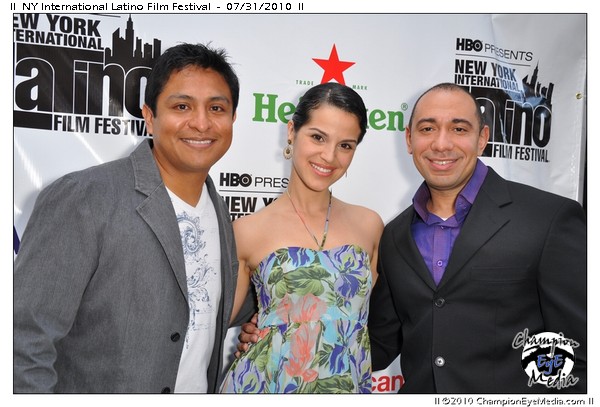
518	263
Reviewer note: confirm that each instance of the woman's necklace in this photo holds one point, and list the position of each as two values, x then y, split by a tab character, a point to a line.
320	246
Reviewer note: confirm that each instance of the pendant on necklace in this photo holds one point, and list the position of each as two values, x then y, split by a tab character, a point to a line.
320	246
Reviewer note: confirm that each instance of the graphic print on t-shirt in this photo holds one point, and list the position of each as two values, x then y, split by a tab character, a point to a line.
199	271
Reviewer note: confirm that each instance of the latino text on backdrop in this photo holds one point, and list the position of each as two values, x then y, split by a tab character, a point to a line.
126	7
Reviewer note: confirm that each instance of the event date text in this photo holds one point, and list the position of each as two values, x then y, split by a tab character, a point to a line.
266	6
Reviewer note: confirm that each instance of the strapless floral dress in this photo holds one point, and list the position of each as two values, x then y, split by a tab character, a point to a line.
313	311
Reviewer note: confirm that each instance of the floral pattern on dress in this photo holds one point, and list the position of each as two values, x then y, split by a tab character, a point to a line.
313	310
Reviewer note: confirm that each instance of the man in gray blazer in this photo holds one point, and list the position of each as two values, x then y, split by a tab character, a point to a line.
479	271
125	278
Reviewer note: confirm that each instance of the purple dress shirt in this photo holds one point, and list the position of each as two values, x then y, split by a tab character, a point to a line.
435	236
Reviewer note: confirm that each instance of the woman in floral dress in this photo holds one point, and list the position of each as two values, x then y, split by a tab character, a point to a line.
312	260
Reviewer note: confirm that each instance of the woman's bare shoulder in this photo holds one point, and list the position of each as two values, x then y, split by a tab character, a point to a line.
364	215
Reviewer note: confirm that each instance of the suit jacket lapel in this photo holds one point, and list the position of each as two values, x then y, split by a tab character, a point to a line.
484	220
407	248
157	210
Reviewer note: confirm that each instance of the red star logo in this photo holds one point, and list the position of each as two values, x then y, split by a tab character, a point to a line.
334	68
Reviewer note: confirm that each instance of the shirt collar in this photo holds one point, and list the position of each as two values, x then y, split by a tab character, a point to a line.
465	198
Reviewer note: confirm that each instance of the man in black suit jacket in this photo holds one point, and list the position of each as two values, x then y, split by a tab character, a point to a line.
477	267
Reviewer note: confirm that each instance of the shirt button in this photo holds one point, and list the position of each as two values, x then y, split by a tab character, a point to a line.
175	336
440	302
440	361
440	263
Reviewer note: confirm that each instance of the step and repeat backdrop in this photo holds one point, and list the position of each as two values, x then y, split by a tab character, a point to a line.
79	81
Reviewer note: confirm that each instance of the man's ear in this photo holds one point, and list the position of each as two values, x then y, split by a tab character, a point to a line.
148	117
484	137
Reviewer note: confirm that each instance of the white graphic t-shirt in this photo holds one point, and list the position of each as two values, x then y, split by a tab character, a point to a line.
202	253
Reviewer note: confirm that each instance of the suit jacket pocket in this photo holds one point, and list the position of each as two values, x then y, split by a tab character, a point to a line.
500	274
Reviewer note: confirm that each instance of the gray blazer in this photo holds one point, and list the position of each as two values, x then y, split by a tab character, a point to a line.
100	293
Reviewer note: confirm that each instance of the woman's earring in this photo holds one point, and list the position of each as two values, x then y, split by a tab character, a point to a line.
287	151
